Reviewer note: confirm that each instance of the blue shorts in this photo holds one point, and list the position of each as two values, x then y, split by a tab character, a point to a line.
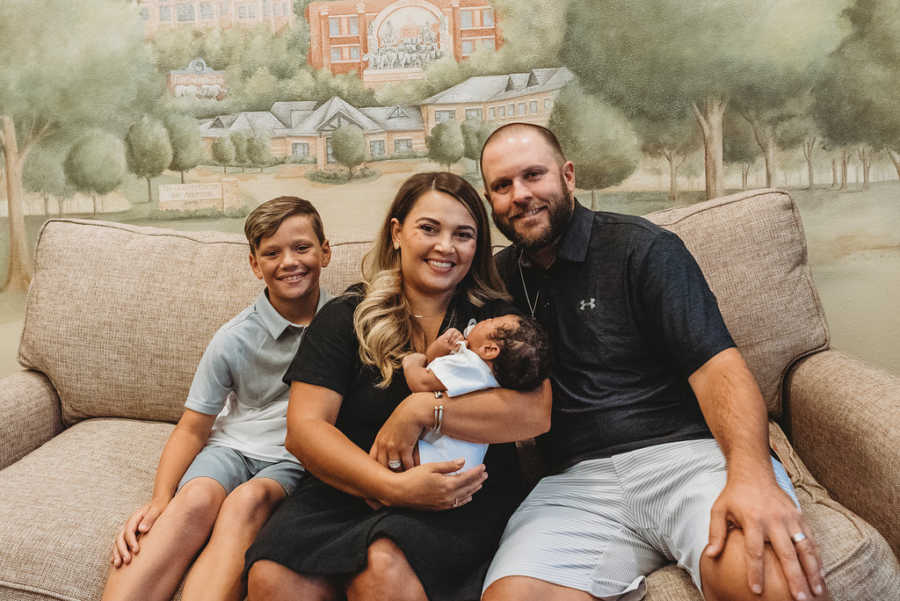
231	468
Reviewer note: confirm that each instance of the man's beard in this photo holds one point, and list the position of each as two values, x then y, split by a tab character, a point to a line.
559	211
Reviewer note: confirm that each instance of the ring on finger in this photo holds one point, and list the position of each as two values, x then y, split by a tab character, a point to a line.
395	464
798	537
456	502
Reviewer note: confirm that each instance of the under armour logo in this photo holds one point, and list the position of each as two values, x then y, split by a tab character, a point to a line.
587	304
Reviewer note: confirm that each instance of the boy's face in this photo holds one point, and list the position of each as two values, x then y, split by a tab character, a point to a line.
290	261
480	339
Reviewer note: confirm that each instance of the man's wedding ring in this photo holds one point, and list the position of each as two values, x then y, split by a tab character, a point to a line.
456	502
395	464
798	537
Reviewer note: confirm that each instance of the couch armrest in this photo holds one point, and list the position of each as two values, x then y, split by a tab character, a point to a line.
29	414
844	419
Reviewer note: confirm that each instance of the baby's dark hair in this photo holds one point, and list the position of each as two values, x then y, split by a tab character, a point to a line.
524	358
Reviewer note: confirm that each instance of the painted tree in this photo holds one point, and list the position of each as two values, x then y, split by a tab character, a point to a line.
55	79
740	147
475	133
259	153
772	111
856	97
349	146
187	145
673	140
596	137
662	58
43	174
96	164
223	152
445	144
239	141
149	151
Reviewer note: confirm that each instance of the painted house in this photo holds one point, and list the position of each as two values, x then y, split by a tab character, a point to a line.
500	99
302	130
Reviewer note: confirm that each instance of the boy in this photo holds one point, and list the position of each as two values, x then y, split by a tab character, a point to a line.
508	351
224	468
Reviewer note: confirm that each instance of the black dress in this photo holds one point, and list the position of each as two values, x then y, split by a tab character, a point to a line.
322	531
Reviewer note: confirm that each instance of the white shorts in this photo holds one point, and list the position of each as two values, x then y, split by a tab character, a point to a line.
603	524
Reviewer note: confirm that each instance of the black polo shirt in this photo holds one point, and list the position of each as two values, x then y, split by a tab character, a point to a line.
630	317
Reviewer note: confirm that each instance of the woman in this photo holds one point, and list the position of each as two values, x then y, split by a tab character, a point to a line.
372	523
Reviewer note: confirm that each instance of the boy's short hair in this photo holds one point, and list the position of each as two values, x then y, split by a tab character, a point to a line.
524	358
264	220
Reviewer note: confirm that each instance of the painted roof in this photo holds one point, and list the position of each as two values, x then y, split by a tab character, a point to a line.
291	113
487	88
396	118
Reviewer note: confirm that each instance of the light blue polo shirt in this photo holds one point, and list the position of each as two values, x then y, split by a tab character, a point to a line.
239	379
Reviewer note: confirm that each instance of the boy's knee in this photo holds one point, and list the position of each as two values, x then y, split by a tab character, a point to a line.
198	502
252	500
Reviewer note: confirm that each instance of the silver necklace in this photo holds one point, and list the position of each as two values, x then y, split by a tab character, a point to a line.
537	296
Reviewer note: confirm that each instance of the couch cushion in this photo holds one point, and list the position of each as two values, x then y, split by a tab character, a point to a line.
62	505
118	316
859	564
752	250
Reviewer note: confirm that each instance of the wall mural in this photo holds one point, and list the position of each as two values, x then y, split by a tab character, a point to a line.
187	113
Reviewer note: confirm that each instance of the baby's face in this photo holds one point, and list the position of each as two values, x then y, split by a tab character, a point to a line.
481	335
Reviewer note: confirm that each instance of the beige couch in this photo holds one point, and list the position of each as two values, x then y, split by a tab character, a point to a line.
118	316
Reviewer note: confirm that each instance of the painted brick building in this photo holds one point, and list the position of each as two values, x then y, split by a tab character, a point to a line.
206	14
392	40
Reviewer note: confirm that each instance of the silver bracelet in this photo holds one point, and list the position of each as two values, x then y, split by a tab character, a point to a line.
438	419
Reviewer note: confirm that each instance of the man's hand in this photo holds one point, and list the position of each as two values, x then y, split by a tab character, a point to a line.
766	513
398	436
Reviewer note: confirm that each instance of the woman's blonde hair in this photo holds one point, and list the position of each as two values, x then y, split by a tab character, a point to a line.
383	320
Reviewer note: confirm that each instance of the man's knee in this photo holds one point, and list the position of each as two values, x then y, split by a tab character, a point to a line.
387	575
265	580
725	578
524	588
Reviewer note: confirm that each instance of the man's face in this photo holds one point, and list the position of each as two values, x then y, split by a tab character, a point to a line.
529	191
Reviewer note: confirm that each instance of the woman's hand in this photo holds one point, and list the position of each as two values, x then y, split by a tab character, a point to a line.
434	486
398	436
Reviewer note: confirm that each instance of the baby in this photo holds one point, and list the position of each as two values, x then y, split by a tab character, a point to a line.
508	351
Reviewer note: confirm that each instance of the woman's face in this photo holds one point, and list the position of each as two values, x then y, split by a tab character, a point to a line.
437	242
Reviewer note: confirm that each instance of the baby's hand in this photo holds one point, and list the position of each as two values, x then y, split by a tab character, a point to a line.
413	360
444	344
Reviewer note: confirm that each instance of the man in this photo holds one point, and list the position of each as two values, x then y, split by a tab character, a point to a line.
645	375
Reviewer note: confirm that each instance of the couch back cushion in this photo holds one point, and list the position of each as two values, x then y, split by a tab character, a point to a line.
118	316
752	250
